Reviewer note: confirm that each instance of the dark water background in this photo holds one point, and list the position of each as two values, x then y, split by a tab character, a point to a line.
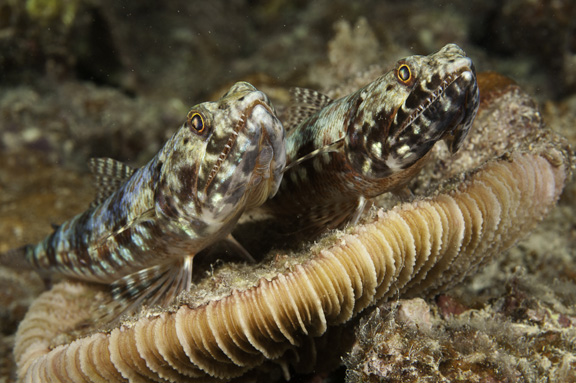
85	78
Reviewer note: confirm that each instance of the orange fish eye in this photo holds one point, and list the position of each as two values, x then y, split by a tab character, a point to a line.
196	122
403	73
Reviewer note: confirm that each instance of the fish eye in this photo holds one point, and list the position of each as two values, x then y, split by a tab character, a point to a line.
195	122
403	73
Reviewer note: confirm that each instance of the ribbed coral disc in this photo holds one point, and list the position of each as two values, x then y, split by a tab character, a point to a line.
416	248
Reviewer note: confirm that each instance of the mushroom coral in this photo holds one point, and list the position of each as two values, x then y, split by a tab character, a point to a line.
507	177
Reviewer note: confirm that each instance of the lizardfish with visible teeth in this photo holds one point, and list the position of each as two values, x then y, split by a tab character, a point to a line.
147	224
342	153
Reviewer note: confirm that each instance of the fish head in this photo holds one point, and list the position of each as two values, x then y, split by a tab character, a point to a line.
228	156
400	116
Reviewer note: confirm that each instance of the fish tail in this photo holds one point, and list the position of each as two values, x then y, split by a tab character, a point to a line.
17	258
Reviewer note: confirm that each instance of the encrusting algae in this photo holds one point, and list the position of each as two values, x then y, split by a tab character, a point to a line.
501	183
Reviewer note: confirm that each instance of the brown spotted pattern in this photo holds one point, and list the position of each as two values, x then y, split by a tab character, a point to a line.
242	317
342	153
227	157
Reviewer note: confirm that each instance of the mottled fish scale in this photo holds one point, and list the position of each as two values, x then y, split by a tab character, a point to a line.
147	224
342	153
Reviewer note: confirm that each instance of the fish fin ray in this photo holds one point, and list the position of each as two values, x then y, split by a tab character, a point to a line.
156	285
333	147
303	104
238	248
109	176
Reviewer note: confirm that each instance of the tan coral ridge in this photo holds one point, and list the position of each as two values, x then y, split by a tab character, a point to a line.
417	248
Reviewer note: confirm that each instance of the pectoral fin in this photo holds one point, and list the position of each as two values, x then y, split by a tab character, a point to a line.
159	284
238	248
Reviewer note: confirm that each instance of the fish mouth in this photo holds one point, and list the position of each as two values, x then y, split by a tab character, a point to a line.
262	165
456	132
257	148
238	128
447	113
269	166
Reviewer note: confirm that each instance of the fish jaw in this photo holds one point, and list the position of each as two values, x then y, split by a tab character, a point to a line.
438	102
447	110
235	164
253	170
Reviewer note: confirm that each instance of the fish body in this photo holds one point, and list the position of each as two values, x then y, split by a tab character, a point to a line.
142	234
342	153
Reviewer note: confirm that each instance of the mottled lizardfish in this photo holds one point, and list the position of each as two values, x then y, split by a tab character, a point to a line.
141	234
342	153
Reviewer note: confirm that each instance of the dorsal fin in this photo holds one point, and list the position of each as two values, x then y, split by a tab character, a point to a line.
109	175
304	103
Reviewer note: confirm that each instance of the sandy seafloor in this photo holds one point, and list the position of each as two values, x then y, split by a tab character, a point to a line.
89	78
